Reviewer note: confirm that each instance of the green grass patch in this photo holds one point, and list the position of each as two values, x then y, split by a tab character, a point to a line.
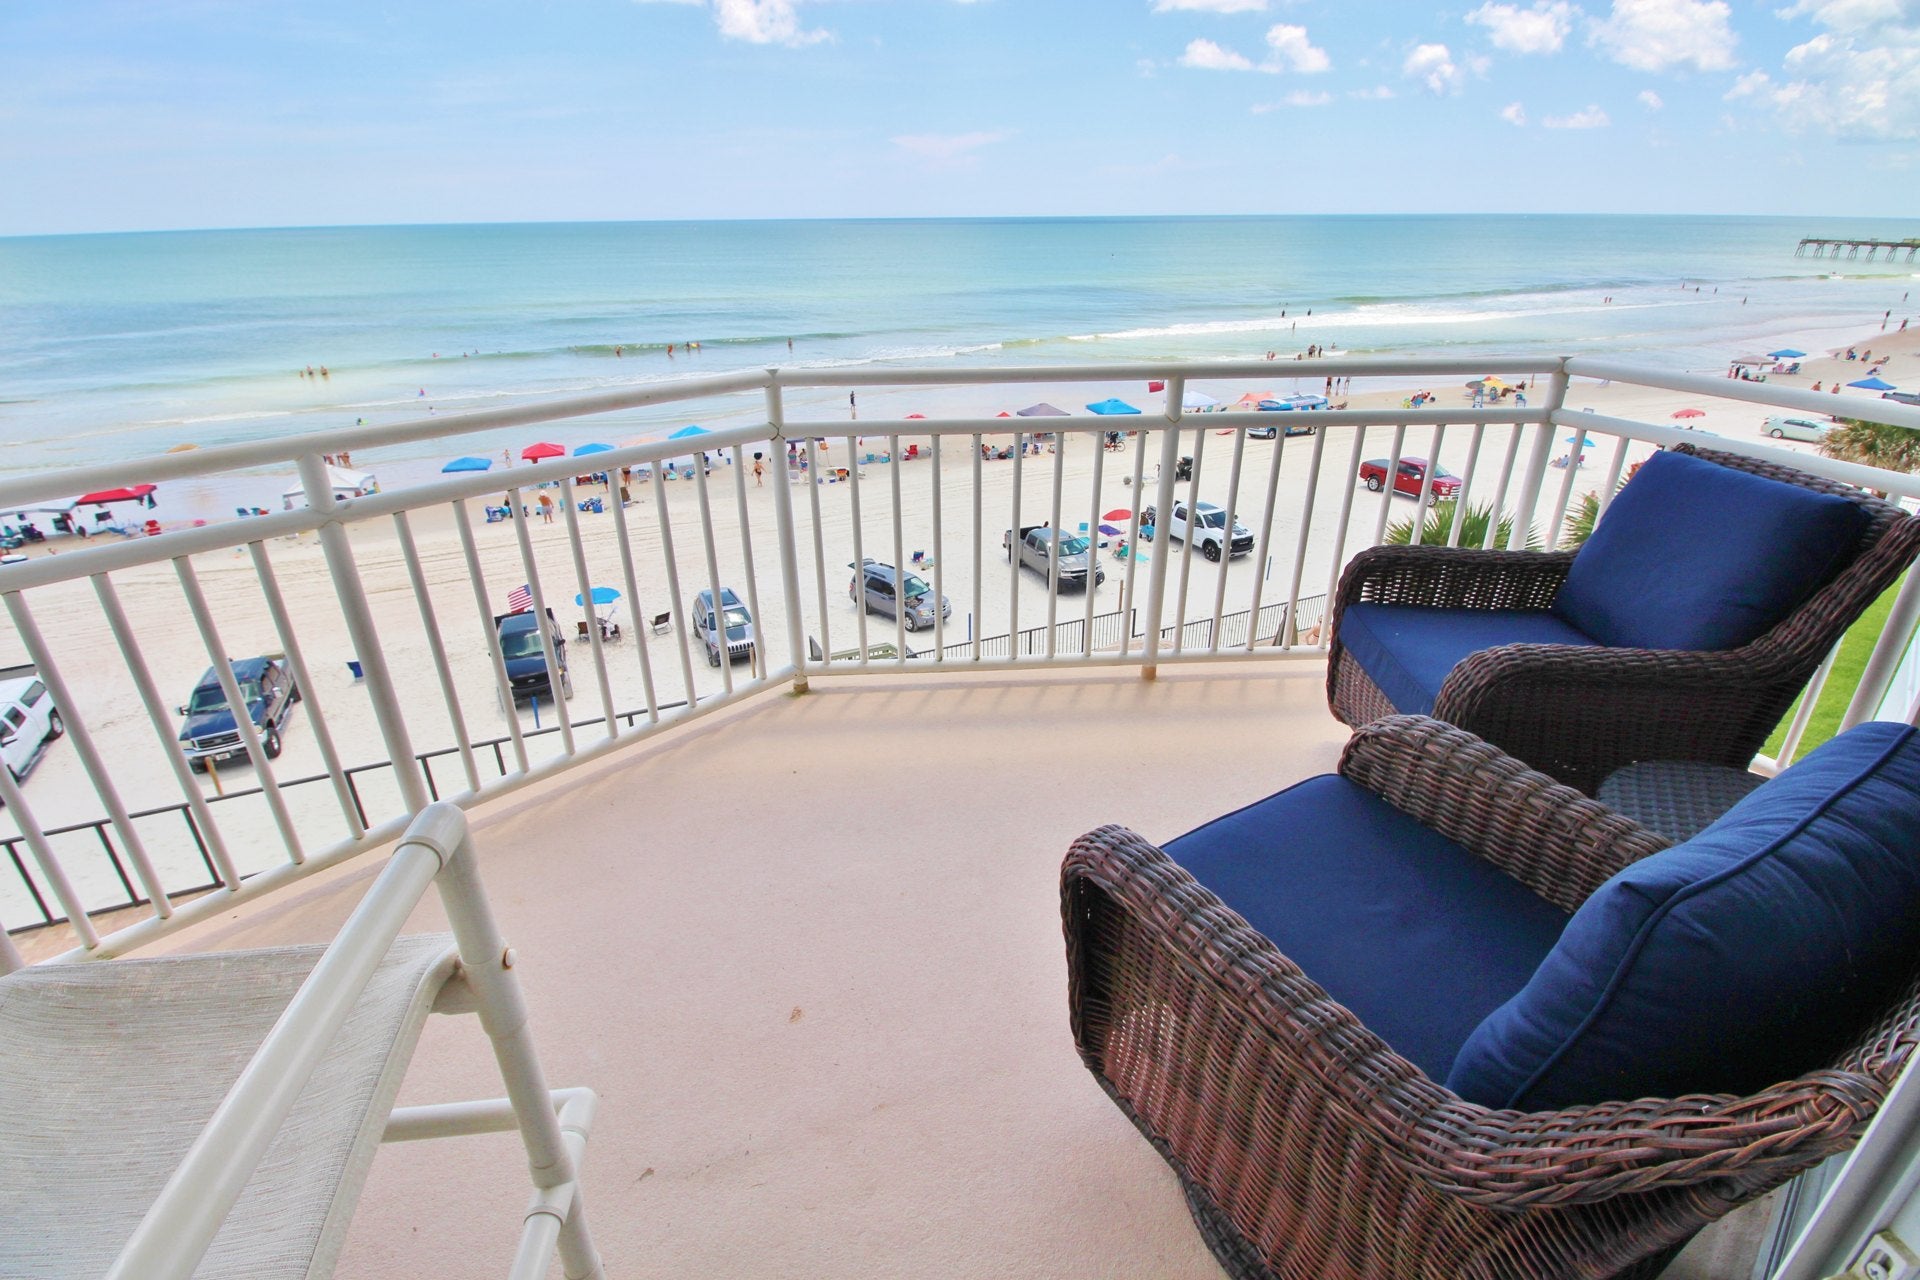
1845	678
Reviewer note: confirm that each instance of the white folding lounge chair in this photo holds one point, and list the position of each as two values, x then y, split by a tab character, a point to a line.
216	1115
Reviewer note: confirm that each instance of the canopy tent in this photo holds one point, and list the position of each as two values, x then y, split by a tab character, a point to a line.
1786	353
141	493
1873	382
1197	401
685	432
1111	406
1251	400
468	464
544	449
346	484
586	449
1041	410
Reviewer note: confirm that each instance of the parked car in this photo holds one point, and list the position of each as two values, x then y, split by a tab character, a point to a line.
1209	532
873	587
740	639
1796	429
1294	427
526	659
29	723
1411	475
1901	397
210	732
1036	544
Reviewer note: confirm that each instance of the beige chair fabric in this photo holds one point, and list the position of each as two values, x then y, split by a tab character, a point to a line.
109	1070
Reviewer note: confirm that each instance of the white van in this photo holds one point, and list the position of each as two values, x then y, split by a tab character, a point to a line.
28	722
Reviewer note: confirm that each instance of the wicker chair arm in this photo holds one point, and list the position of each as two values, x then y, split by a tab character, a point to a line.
1496	1159
1454	577
1547	836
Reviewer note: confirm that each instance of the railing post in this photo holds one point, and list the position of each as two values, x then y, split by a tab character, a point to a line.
352	595
783	524
1886	655
1536	462
1162	507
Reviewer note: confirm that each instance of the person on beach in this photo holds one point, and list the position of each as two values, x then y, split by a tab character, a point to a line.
546	509
759	470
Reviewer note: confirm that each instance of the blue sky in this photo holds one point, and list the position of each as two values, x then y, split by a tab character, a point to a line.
127	116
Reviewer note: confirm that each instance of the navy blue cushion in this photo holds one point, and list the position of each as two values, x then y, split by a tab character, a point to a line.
1751	954
1407	650
1693	555
1418	937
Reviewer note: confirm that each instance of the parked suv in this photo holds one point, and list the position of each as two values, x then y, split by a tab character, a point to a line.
211	734
526	659
29	722
740	639
878	594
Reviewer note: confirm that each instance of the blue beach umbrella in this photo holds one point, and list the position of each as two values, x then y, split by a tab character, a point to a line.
585	449
1785	353
601	595
468	464
684	432
1586	441
1111	406
1872	382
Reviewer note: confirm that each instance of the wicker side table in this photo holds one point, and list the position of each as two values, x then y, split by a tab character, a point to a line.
1677	798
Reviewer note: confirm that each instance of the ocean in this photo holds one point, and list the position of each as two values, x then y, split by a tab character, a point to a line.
121	346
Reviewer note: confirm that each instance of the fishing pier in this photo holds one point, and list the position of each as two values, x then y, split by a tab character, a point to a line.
1812	246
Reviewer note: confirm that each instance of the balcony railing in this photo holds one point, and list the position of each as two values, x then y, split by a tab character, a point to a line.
408	582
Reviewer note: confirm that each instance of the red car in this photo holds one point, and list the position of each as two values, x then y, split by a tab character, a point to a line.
1412	474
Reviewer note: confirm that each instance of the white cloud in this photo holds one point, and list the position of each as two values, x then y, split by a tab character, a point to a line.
1858	79
1591	118
1653	35
1208	56
1541	29
1379	93
1292	51
1308	98
948	148
764	22
1210	6
1432	65
1513	113
1651	100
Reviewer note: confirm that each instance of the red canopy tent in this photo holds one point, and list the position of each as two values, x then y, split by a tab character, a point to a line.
142	493
535	452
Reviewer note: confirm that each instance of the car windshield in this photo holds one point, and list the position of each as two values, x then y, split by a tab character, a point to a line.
211	698
1214	519
737	618
1073	545
916	587
521	644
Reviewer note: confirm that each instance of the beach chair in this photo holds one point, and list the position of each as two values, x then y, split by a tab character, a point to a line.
252	1089
1530	1073
661	623
1682	629
582	632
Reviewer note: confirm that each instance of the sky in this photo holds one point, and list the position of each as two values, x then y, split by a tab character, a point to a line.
134	115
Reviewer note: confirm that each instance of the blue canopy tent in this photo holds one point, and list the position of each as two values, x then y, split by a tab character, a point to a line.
684	432
1785	353
468	464
1110	406
1873	382
585	449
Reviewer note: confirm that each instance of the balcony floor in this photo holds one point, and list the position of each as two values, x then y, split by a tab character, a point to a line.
809	953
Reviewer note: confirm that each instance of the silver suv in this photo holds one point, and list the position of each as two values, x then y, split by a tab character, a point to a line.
878	594
739	624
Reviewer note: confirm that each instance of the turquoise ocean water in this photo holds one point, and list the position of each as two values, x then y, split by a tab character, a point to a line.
117	346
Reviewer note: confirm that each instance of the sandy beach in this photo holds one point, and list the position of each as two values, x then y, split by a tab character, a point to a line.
971	569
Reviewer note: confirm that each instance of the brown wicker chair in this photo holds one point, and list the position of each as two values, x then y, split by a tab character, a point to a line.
1308	1149
1580	713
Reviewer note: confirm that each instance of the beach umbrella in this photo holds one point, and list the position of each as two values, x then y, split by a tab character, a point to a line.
601	595
468	464
684	432
1003	414
1495	384
1689	413
1118	513
545	449
1041	410
1785	353
585	449
1872	382
1197	400
1111	406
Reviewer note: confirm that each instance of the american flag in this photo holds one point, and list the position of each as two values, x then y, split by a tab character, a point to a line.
520	599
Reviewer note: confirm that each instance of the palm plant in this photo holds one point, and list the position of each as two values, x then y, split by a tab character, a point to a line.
1872	444
1437	528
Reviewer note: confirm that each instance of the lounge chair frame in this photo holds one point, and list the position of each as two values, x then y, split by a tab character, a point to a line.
195	1203
1308	1148
1578	713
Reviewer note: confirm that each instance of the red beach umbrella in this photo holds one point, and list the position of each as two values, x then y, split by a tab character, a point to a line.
1003	414
1689	413
535	452
1118	513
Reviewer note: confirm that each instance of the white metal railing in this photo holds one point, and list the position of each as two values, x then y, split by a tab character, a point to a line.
407	583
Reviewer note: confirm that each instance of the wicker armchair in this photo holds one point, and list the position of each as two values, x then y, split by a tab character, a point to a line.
1580	713
1308	1148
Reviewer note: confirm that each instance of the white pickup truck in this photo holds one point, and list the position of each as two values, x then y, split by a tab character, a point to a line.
1210	535
28	723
